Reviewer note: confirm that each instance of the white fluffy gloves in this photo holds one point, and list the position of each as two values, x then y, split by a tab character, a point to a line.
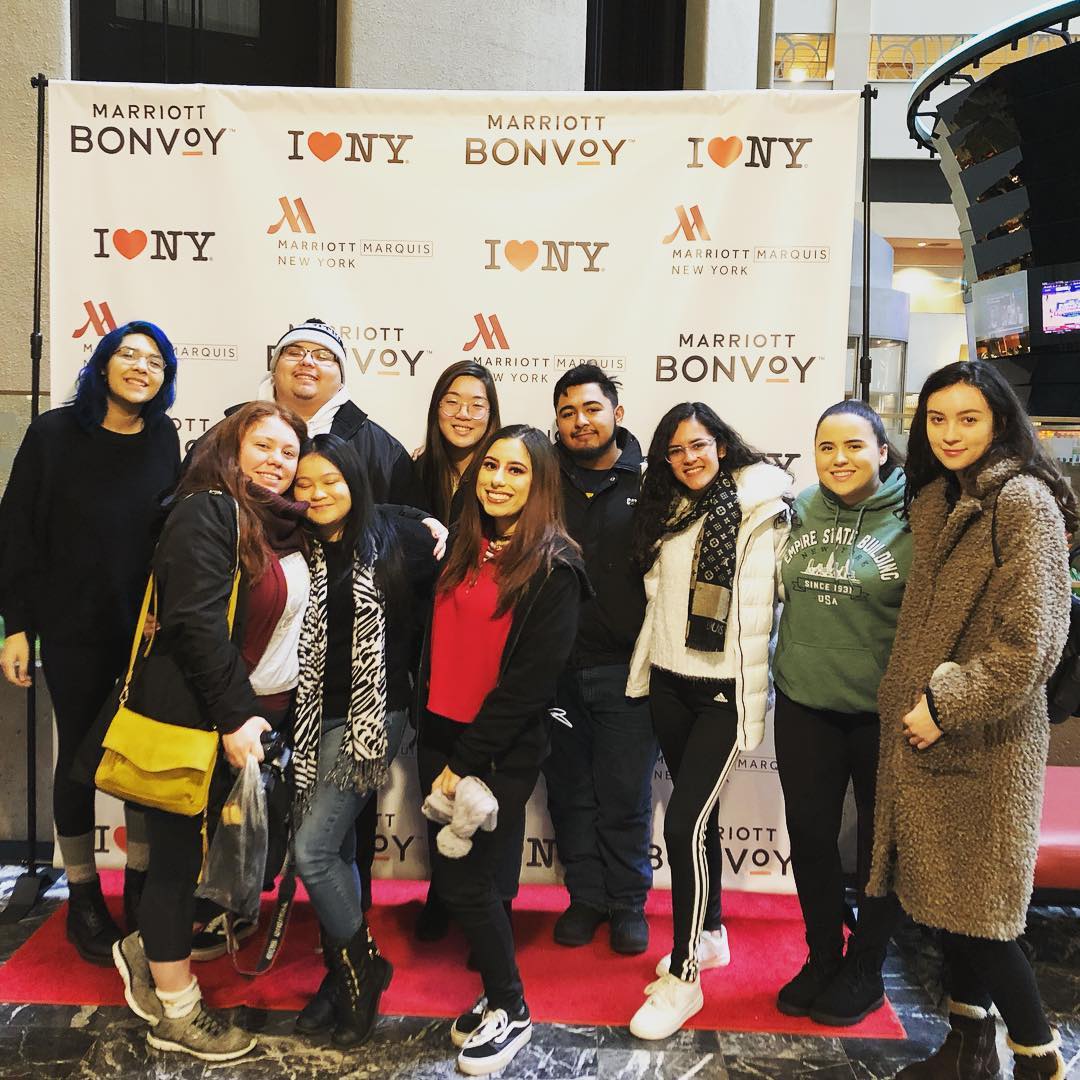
472	807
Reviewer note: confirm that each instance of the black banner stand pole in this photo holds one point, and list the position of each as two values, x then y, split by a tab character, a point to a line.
30	885
868	94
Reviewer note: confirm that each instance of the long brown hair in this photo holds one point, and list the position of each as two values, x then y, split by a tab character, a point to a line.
540	534
434	465
215	463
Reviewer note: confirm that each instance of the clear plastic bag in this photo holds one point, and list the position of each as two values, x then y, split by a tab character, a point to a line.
237	860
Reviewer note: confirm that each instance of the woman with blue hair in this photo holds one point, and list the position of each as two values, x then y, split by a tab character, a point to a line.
76	534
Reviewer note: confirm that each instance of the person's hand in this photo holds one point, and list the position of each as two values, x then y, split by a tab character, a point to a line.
415	455
151	626
446	782
919	727
15	660
243	741
440	532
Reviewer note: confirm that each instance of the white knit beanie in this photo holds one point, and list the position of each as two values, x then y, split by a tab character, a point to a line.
318	333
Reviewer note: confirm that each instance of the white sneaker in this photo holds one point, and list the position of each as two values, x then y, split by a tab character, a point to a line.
671	1002
494	1043
712	952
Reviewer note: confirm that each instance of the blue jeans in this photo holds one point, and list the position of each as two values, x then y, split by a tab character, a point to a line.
325	842
599	782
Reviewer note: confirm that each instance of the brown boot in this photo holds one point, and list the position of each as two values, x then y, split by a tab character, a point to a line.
968	1053
1038	1062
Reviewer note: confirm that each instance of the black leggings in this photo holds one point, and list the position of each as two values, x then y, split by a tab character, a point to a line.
982	971
80	679
469	887
167	908
817	752
697	736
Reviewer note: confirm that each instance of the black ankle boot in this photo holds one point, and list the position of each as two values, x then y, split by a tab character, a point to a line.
854	992
318	1014
134	882
359	974
797	997
90	927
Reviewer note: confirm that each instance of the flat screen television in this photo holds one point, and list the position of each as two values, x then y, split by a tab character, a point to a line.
1061	307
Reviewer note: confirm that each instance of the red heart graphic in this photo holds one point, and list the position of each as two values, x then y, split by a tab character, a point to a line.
120	837
725	151
324	146
129	244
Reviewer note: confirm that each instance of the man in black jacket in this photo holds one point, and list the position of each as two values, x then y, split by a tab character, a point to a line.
599	774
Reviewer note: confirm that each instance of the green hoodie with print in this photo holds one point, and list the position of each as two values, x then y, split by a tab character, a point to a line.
844	570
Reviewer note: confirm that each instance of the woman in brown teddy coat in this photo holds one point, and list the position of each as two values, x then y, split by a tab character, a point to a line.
964	728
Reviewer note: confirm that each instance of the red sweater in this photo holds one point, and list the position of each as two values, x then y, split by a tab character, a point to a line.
467	643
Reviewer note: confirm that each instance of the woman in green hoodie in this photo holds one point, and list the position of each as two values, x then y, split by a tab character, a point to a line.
844	570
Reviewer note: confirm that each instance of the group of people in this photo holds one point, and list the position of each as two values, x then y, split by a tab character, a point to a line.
589	608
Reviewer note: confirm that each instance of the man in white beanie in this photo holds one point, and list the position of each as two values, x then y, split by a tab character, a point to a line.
307	375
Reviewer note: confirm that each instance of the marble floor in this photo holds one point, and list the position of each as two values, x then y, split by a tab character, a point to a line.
41	1042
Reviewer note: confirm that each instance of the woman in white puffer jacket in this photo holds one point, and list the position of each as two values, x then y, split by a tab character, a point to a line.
712	519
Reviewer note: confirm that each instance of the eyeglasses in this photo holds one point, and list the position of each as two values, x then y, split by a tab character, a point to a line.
452	406
130	357
296	353
675	454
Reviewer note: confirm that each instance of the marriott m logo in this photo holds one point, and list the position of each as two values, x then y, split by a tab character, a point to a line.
489	331
294	214
690	225
99	319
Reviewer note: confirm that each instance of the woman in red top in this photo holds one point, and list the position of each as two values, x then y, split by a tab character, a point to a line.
505	616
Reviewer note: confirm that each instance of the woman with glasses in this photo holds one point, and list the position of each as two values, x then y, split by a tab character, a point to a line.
710	523
505	616
464	410
76	535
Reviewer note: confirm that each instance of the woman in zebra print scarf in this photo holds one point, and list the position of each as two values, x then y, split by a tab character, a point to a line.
370	573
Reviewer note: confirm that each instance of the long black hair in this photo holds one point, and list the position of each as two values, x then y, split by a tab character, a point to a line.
1014	436
660	489
858	407
368	529
434	465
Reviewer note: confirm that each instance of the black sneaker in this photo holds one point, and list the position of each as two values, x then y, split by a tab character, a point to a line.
468	1022
494	1043
854	992
629	932
212	940
797	997
577	924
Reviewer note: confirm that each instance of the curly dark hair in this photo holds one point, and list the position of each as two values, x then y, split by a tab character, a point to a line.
1014	436
660	490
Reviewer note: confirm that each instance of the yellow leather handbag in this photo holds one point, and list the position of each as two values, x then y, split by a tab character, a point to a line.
147	762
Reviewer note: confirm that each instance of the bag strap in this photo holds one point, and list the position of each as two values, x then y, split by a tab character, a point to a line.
279	923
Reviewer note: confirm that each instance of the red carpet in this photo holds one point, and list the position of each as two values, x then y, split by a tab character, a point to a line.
589	985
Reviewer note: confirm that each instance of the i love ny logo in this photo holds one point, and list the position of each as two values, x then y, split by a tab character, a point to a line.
354	146
725	150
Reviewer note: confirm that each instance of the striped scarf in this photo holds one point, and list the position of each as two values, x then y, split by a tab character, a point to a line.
362	764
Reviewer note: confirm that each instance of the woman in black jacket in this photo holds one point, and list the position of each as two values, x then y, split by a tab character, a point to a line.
505	617
76	532
371	574
229	517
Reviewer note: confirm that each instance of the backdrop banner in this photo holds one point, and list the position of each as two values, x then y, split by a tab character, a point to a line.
695	245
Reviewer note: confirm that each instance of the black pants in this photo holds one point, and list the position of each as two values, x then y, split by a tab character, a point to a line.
697	735
817	753
80	679
982	971
167	909
470	888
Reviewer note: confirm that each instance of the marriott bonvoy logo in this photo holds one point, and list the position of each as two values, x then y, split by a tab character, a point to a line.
293	223
151	130
545	139
744	357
